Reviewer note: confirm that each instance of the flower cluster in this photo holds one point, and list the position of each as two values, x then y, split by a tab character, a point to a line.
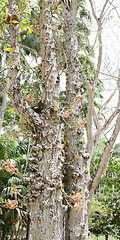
81	124
11	204
77	199
30	97
36	28
10	166
65	114
80	98
14	191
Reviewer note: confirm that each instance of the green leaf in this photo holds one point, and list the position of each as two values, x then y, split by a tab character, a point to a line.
23	26
4	121
1	32
9	80
11	110
9	49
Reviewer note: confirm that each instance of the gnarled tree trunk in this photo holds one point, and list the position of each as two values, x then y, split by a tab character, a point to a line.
77	175
45	202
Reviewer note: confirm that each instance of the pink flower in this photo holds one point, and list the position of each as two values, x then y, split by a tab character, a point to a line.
76	197
30	97
66	114
62	134
10	166
81	124
36	26
80	98
11	204
78	207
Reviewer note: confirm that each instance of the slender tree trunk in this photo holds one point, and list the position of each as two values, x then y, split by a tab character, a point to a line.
77	174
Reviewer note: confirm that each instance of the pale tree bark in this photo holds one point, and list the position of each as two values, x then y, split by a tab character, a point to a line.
4	100
2	110
45	201
77	176
46	174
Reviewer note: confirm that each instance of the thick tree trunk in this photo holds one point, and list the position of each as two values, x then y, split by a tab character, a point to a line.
77	174
45	201
46	186
46	169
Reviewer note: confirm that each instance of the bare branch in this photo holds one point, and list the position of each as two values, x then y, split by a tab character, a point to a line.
111	118
28	64
95	118
22	46
100	53
99	23
89	114
105	104
105	157
107	150
105	126
103	9
2	110
93	10
30	50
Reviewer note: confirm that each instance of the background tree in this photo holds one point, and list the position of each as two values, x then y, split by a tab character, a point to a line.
13	222
105	205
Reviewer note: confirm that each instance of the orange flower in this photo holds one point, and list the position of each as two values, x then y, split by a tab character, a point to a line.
36	26
81	124
66	114
11	204
10	166
78	207
30	97
76	197
80	98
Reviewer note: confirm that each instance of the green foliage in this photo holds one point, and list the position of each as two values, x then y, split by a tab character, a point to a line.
105	212
97	156
10	184
13	150
101	220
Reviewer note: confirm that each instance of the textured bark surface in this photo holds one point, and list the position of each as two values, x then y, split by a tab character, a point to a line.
4	95
77	173
45	202
45	178
45	166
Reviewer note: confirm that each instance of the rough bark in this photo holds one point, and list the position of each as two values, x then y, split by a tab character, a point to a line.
4	100
45	201
76	176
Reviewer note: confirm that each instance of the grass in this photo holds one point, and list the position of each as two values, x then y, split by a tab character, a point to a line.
93	237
